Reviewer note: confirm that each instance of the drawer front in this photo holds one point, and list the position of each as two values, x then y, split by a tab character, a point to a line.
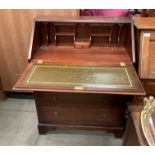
50	99
81	116
81	109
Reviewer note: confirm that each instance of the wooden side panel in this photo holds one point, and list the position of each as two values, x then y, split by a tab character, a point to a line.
152	56
15	30
144	54
35	40
130	137
130	42
133	133
147	55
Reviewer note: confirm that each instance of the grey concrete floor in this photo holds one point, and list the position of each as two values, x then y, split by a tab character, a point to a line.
18	126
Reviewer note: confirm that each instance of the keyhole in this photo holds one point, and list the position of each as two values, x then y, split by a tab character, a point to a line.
55	113
104	115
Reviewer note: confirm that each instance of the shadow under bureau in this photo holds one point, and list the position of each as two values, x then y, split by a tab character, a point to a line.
81	72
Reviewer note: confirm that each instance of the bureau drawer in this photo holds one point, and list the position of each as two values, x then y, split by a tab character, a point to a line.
80	109
79	115
50	99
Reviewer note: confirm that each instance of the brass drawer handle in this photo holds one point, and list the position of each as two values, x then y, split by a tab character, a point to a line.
104	115
55	113
54	99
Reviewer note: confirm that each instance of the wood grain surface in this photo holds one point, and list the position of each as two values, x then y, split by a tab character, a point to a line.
15	30
144	23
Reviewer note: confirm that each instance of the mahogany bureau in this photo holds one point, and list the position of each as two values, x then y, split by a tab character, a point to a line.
81	72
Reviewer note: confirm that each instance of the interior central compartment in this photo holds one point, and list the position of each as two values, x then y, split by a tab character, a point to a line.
80	42
84	34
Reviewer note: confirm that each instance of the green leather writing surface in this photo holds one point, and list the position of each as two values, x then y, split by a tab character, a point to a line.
61	75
